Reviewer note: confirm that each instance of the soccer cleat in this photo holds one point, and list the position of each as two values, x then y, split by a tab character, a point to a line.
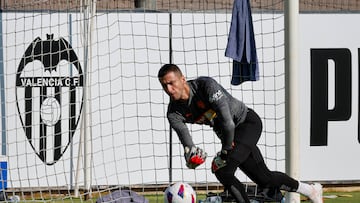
317	193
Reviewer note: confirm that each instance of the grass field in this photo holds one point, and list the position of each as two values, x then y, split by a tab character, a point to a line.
341	197
329	197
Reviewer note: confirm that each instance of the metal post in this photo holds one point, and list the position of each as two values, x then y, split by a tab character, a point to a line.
90	11
2	91
171	134
85	131
70	134
291	94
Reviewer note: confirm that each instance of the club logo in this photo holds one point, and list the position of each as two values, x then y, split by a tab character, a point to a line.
216	96
49	95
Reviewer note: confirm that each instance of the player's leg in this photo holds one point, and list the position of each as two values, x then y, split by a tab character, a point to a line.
313	191
248	132
255	168
226	176
257	171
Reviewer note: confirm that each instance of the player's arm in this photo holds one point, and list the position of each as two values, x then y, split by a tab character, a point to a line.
227	125
225	122
194	156
177	122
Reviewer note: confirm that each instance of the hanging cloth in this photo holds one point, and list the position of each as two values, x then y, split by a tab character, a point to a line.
241	44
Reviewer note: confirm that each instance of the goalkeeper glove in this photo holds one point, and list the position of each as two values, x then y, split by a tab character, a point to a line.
194	157
219	161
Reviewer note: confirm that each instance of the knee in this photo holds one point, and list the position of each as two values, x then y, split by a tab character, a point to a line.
226	178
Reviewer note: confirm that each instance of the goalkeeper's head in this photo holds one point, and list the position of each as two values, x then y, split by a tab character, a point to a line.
167	68
173	82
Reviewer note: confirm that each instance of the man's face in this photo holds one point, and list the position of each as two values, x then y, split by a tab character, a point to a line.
174	85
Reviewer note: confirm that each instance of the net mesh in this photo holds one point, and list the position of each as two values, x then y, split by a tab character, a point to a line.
111	77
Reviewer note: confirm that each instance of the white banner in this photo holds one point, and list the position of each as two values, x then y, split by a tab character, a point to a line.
329	93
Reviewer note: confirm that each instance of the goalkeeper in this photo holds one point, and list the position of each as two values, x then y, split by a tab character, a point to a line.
204	101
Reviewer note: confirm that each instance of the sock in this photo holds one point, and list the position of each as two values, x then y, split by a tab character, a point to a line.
305	189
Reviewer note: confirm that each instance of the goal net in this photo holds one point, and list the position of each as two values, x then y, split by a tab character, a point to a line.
83	113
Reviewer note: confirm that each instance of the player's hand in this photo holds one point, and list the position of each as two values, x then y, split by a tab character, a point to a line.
194	157
224	154
218	162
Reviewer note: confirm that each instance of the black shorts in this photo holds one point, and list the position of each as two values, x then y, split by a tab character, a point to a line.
247	134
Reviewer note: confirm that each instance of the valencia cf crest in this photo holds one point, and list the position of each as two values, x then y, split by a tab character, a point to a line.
49	95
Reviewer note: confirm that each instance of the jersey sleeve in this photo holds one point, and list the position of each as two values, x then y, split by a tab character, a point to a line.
220	103
177	122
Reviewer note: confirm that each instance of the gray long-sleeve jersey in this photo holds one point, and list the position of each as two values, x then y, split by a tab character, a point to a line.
209	104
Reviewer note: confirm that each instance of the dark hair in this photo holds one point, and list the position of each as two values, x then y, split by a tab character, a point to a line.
165	69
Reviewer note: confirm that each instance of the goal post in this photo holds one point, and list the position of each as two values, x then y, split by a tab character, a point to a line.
2	95
292	134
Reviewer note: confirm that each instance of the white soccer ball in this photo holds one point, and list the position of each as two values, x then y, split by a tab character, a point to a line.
180	193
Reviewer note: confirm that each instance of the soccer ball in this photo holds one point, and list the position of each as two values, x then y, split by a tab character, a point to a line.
180	193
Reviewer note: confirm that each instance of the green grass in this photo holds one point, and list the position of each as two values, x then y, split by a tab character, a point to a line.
342	197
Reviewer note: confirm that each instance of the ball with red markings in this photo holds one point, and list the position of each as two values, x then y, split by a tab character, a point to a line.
179	193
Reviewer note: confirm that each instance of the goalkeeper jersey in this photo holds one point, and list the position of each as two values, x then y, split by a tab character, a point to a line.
209	104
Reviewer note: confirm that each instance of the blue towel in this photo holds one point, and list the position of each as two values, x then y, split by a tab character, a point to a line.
241	44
